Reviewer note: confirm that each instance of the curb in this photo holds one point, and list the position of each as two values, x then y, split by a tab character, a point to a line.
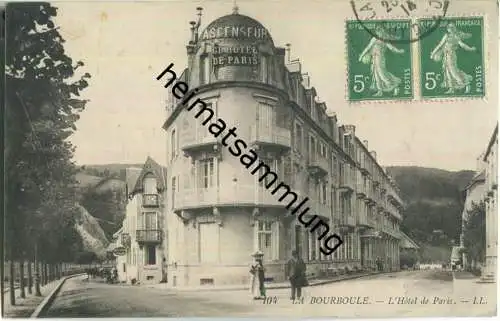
51	296
273	287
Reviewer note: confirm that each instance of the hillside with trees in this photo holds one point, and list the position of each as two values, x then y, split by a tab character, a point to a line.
434	199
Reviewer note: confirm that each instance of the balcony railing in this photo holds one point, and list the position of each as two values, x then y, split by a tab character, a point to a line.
318	166
271	137
345	184
237	195
193	141
320	209
150	200
347	222
148	236
363	220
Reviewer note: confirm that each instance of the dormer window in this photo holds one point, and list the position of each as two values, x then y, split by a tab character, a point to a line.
149	184
150	191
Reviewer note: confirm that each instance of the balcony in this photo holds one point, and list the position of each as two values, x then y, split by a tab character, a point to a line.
150	200
236	195
345	184
363	221
193	143
320	209
274	139
347	223
148	236
364	169
390	232
360	190
318	166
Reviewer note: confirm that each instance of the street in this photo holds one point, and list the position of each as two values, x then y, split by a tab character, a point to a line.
375	296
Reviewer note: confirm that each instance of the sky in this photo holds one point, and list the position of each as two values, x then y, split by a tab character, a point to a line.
125	45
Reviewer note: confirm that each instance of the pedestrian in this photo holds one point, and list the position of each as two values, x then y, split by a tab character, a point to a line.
297	275
257	276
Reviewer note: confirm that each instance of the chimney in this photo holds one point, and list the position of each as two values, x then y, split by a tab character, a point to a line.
288	52
365	142
374	154
305	80
193	34
350	130
198	23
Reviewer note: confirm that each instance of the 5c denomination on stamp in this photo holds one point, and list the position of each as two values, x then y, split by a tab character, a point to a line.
378	70
452	59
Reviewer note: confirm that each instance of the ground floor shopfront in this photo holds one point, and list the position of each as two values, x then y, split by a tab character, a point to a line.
213	246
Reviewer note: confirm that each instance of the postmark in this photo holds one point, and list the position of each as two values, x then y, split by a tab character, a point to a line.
452	59
378	70
367	11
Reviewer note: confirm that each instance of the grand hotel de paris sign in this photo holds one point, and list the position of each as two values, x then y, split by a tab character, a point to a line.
244	55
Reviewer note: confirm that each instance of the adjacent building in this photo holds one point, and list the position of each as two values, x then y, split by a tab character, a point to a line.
491	198
140	244
474	194
218	213
483	187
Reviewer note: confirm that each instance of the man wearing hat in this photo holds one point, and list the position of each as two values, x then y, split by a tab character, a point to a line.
257	277
297	275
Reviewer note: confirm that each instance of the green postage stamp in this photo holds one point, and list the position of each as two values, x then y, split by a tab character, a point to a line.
452	59
377	68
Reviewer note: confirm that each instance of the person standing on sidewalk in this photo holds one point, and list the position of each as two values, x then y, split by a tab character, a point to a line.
257	272
297	275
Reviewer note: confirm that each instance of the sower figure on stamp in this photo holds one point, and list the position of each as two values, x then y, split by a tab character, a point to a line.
446	51
375	55
257	270
297	275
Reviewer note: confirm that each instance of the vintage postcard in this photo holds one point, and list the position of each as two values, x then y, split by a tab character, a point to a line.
286	158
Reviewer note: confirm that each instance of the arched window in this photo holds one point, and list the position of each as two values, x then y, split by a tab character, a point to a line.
149	183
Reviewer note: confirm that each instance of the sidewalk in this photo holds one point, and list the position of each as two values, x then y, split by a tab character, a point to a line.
280	285
25	307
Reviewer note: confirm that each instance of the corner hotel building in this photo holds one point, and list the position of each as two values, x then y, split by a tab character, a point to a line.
218	213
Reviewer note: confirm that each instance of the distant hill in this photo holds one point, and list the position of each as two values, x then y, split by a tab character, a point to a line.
434	205
108	170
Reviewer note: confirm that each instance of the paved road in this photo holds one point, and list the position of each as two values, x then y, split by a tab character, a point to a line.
79	299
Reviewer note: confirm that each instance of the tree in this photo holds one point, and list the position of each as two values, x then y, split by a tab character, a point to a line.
475	232
42	106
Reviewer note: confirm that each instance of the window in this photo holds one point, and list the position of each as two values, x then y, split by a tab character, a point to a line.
323	193
173	144
174	186
149	184
265	68
204	70
209	242
150	221
334	201
267	239
323	150
312	147
150	255
206	170
265	115
263	171
298	137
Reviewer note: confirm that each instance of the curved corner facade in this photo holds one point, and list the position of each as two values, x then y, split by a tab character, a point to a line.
218	213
